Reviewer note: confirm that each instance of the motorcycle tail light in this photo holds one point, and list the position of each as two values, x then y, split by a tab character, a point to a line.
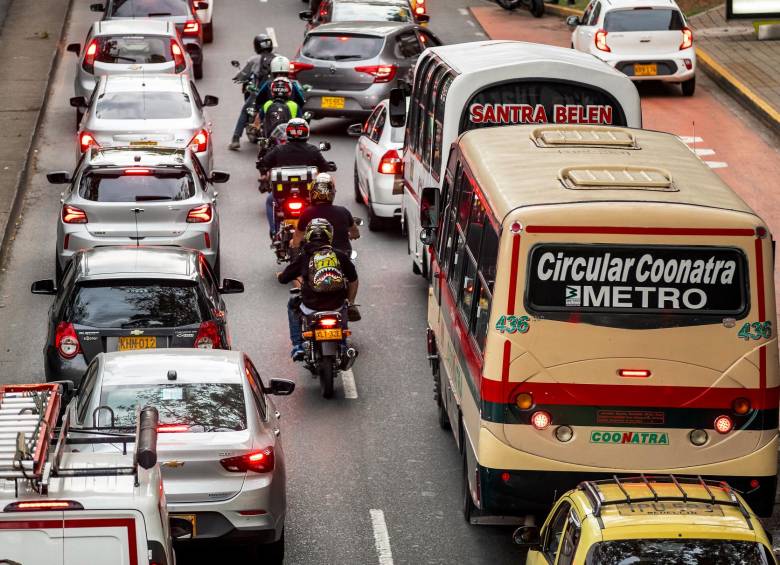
200	214
178	57
199	141
261	461
328	322
73	215
67	341
208	336
90	53
294	207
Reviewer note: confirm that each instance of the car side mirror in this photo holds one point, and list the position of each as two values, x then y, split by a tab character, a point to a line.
527	536
307	88
97	7
429	207
210	100
422	18
74	48
308	116
397	108
324	146
358	221
219	177
573	21
78	102
59	177
45	286
332	167
355	130
306	15
201	5
280	387
231	286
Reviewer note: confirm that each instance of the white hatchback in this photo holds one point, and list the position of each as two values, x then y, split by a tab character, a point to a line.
378	155
645	39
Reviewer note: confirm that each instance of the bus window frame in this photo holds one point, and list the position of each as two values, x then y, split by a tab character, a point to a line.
617	107
435	72
439	113
412	126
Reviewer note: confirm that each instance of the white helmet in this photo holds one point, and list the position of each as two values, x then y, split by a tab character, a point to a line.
280	65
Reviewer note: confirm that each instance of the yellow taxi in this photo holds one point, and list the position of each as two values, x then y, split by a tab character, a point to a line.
648	520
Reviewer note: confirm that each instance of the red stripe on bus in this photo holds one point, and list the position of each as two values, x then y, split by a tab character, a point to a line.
510	305
408	187
605	230
506	361
645	396
761	307
127	523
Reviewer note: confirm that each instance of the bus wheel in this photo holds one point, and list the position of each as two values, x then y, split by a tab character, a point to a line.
425	270
468	507
444	419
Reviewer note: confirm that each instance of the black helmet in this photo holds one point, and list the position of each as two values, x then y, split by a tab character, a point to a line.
319	231
281	88
263	44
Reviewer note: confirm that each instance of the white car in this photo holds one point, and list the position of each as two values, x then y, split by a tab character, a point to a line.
645	39
205	12
378	162
218	442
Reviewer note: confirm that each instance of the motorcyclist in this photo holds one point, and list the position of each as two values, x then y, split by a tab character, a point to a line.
323	192
257	69
280	108
297	152
343	283
280	68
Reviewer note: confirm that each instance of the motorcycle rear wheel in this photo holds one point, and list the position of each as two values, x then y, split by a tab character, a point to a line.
537	8
326	372
509	4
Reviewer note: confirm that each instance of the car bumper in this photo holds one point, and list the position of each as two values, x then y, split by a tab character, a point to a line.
58	369
357	103
671	66
84	84
195	50
386	196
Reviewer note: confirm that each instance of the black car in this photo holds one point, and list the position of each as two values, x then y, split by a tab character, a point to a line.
181	12
125	298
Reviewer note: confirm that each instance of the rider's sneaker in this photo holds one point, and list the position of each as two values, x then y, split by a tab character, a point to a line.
297	353
235	144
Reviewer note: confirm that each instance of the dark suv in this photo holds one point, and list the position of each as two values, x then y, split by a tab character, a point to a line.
126	298
181	13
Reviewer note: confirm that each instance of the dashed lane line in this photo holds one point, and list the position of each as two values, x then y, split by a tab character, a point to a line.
716	164
704	152
463	12
689	140
381	537
348	382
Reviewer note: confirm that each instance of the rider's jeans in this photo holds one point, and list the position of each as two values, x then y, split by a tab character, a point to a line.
243	117
270	215
294	312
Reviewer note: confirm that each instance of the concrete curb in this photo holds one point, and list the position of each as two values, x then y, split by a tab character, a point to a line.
24	175
717	72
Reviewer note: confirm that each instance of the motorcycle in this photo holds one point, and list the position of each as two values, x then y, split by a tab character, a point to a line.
250	86
291	198
536	7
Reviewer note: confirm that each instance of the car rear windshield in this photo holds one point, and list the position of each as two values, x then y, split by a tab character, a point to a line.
143	106
371	13
129	49
341	47
192	407
121	187
146	8
656	19
135	304
677	552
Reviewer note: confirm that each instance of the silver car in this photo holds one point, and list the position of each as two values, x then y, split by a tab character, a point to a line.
152	196
218	442
143	47
139	111
352	66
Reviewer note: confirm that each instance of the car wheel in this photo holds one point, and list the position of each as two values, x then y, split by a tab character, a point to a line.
79	117
375	223
688	86
358	195
273	553
197	70
57	270
208	32
468	507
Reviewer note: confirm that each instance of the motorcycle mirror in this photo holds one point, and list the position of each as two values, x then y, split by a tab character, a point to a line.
307	87
332	167
235	63
231	286
324	146
355	130
358	221
210	100
280	387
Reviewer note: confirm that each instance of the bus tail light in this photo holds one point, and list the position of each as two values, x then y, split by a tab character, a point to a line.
687	41
741	406
601	41
723	424
541	420
524	401
634	373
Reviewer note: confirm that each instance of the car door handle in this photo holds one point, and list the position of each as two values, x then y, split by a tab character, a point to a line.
278	415
277	432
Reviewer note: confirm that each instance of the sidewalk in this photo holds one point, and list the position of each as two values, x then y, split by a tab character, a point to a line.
29	43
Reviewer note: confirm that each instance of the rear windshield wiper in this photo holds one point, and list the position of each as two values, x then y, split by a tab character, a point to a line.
151	197
346	57
158	14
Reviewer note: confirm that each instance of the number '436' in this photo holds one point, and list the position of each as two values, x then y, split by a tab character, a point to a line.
513	324
755	330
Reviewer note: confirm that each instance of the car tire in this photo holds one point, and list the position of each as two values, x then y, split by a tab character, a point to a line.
79	117
58	271
375	223
688	86
208	32
273	553
468	507
358	195
197	71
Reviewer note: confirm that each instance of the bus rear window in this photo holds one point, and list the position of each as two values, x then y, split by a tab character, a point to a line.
625	284
539	102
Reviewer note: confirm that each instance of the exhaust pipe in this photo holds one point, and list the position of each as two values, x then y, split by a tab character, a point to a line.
350	355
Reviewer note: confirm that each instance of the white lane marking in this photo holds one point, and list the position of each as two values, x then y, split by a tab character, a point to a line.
686	139
271	33
716	164
463	11
348	382
472	24
479	34
704	152
263	1
381	537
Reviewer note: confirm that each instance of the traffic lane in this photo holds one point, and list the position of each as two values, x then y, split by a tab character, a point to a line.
736	145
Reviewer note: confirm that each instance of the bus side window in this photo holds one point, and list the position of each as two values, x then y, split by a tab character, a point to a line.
440	99
486	275
461	202
416	110
429	100
448	234
468	286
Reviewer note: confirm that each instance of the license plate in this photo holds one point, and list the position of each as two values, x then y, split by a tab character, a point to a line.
191	518
143	143
649	70
128	343
293	223
336	102
325	335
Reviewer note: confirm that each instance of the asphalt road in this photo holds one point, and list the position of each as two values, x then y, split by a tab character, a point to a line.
348	457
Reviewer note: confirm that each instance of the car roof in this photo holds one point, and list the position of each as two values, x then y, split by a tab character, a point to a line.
134	157
516	170
192	365
376	29
640	4
146	26
135	83
109	262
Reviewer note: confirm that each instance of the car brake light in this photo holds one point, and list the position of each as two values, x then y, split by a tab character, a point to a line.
178	57
199	141
381	73
66	341
294	207
42	505
73	215
723	424
687	41
200	214
191	28
390	164
601	41
297	66
172	428
86	140
327	322
208	336
136	171
635	373
261	461
89	56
